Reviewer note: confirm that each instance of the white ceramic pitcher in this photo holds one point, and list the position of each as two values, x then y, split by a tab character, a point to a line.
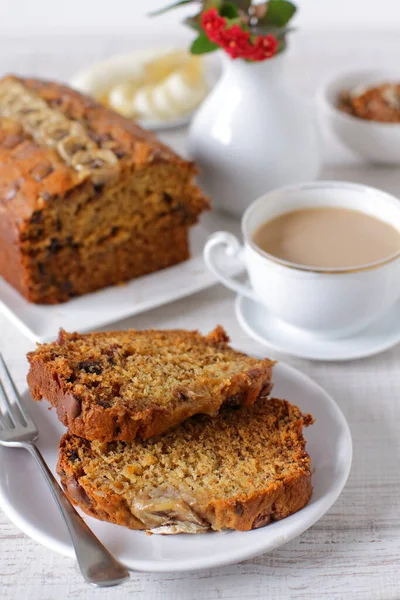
252	134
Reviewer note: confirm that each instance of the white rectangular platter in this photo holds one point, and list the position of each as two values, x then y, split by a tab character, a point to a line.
42	322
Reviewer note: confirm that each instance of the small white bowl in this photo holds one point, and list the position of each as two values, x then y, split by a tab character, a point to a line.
374	141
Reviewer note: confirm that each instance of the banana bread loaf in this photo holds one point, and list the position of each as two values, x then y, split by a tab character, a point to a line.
117	385
87	198
239	470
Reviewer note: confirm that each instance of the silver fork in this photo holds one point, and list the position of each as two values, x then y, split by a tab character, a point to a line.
18	430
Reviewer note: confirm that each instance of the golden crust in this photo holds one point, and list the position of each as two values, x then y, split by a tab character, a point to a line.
20	154
143	146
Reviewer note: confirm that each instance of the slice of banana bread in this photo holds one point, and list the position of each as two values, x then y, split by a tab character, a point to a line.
87	198
116	385
239	470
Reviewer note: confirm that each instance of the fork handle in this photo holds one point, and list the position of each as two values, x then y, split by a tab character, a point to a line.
97	565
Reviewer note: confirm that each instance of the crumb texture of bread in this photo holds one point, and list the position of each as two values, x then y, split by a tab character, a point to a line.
239	470
87	198
119	385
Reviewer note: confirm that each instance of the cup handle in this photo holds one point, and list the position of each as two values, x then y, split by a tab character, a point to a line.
233	249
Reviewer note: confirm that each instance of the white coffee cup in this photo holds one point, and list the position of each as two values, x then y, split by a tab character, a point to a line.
327	302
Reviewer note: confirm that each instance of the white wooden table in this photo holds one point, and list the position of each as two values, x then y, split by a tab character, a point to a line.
354	551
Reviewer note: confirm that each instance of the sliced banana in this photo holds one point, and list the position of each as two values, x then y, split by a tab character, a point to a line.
172	86
100	165
183	93
121	95
163	103
56	128
151	102
11	92
175	96
160	68
73	144
142	103
94	159
14	103
34	118
195	68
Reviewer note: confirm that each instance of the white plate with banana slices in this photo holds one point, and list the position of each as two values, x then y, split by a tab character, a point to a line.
159	88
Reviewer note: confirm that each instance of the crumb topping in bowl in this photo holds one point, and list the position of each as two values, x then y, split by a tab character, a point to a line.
374	103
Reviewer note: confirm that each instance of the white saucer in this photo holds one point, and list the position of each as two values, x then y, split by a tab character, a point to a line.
26	500
262	326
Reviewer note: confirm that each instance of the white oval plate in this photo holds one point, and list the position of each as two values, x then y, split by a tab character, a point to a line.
96	79
26	500
265	328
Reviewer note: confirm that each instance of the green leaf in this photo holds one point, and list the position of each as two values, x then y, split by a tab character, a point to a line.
229	10
160	11
207	4
278	32
243	5
193	23
279	13
281	46
202	44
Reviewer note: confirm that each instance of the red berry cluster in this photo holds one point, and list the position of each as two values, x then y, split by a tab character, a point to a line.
235	41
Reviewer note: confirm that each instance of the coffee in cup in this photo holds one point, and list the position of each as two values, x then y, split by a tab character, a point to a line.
326	236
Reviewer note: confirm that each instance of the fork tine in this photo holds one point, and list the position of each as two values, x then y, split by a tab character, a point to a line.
10	408
5	422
